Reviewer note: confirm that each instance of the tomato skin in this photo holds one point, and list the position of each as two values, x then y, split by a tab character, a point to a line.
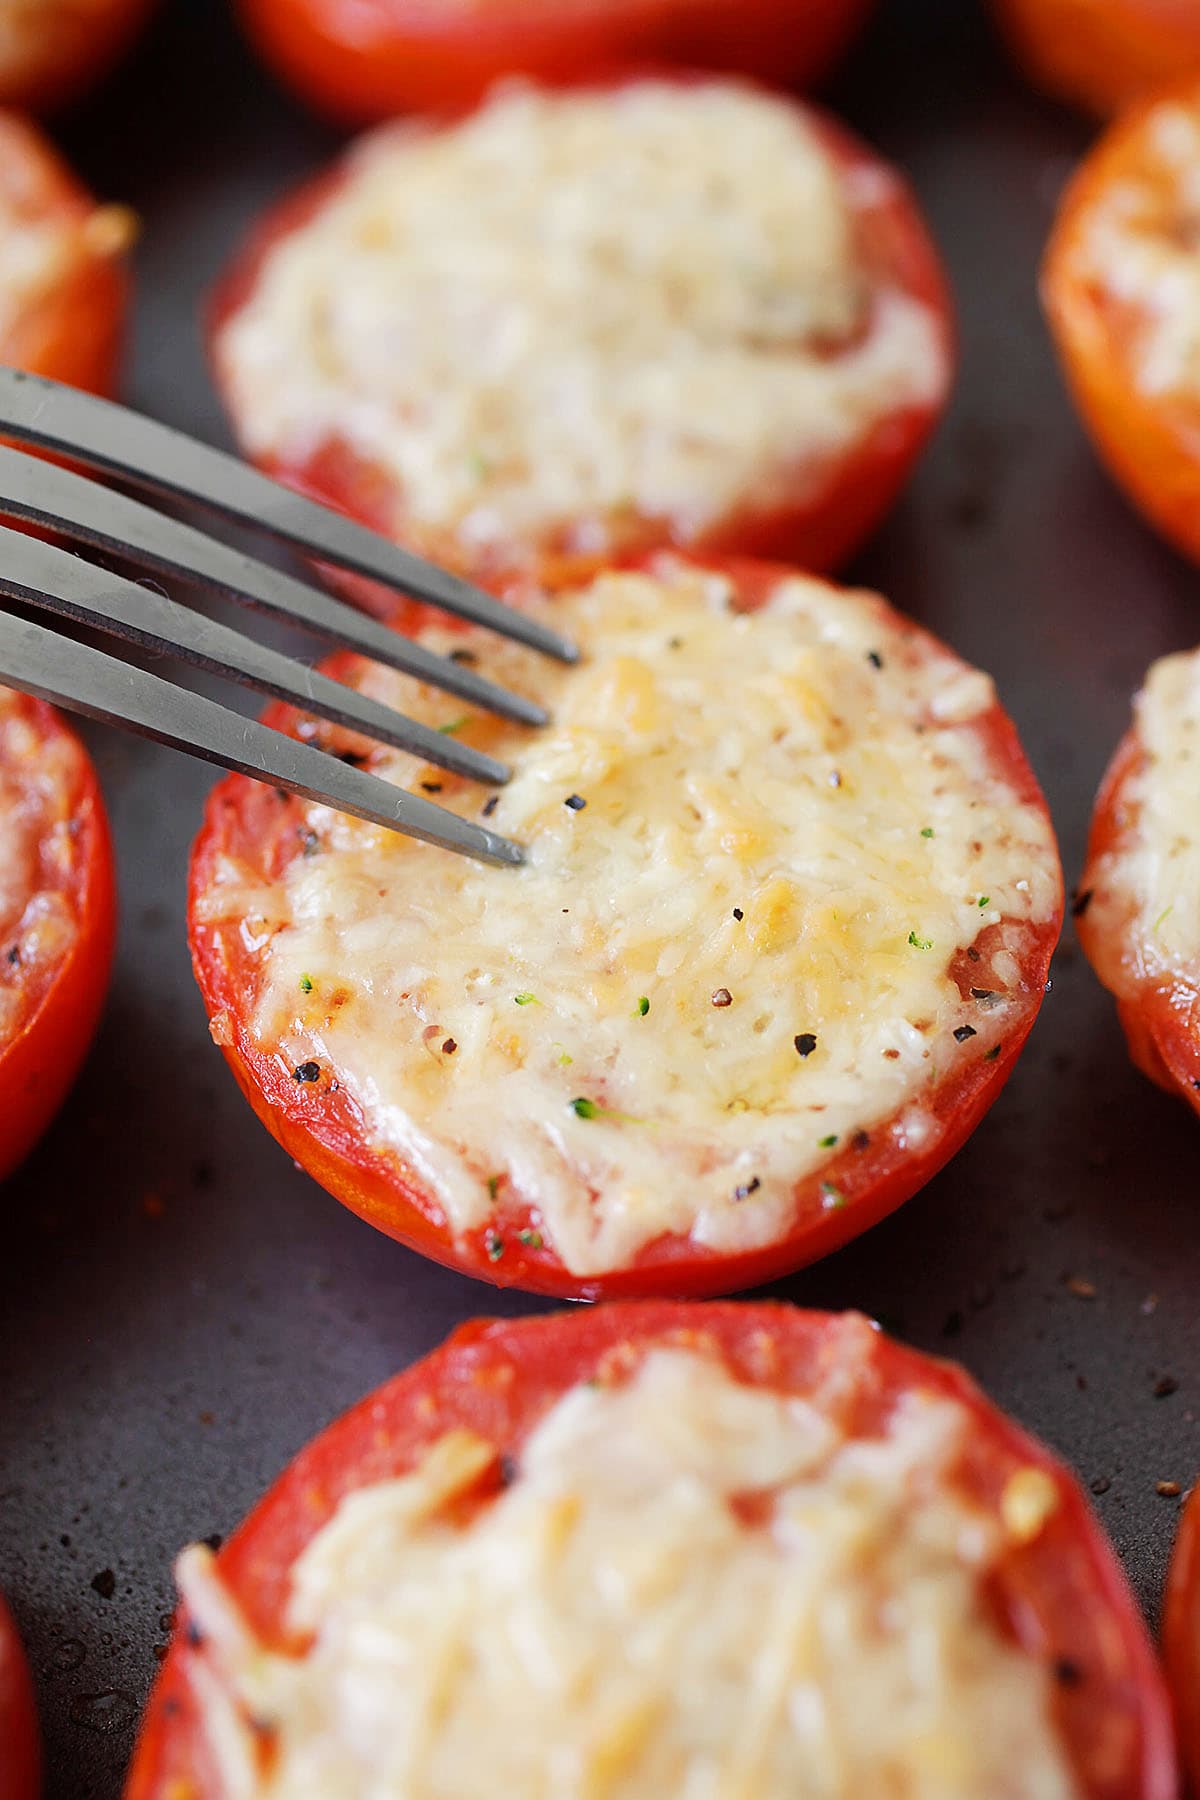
1062	1595
20	1751
39	1064
1100	54
362	62
1181	1635
1160	1016
836	505
57	50
1148	441
74	332
322	1129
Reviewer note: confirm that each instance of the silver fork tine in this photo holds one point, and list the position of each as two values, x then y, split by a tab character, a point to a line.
33	489
73	675
43	576
109	437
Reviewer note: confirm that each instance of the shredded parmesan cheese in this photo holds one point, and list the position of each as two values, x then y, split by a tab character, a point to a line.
690	1588
1146	888
569	311
37	921
790	827
1142	241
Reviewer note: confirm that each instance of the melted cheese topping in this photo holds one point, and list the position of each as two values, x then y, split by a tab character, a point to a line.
778	838
659	311
1142	239
614	1627
37	922
1147	887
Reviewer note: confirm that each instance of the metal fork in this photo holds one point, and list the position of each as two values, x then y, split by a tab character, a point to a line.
151	456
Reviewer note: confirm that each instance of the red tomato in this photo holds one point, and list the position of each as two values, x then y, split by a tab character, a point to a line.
322	1128
1181	1634
838	501
1160	1014
1101	53
1110	288
365	62
66	323
20	1756
57	917
1060	1596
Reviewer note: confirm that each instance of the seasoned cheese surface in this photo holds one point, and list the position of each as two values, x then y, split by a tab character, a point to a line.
689	1588
1147	887
570	311
756	845
37	922
1143	243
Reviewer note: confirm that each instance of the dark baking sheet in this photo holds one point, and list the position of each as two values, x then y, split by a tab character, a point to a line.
180	1308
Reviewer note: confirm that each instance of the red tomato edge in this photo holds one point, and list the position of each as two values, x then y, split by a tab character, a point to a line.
1148	446
1160	1019
818	532
400	58
501	1375
41	1062
322	1129
20	1748
1181	1635
1099	57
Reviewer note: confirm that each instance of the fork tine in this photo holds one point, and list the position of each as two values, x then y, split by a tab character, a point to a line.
44	576
106	436
39	491
87	681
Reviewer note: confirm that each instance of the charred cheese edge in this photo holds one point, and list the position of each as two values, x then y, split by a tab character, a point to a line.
617	1623
1143	918
38	923
567	310
756	844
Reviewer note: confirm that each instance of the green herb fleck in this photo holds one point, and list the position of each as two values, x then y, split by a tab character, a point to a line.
1163	916
453	725
583	1108
984	900
643	1006
827	1143
920	943
927	831
525	999
493	1182
306	984
564	1058
494	1245
532	1240
479	465
832	1196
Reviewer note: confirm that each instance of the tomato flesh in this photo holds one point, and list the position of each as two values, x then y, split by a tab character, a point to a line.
361	62
20	1754
835	503
1061	1597
57	917
1181	1635
1101	54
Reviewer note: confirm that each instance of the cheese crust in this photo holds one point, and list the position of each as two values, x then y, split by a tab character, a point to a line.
1142	922
759	847
38	923
662	313
795	1614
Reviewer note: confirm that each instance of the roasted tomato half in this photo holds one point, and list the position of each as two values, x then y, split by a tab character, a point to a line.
51	50
784	922
1181	1635
63	285
659	1549
1102	53
362	62
1136	905
57	914
20	1757
1121	285
691	312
